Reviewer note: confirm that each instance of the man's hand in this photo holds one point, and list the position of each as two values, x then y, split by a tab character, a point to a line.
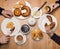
7	13
49	31
4	39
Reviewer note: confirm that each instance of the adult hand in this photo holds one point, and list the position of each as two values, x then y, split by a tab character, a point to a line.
7	13
53	6
49	31
4	39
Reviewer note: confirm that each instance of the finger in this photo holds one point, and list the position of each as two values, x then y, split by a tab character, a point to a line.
47	28
6	39
7	35
6	16
10	13
5	42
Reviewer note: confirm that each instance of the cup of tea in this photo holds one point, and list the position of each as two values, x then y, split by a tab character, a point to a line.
48	9
20	38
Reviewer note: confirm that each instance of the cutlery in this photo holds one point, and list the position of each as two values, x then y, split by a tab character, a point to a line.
12	29
40	7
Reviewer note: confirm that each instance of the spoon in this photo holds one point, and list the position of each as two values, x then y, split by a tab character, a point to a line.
40	7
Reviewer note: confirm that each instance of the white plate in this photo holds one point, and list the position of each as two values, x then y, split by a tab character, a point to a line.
21	17
7	31
43	19
24	39
35	9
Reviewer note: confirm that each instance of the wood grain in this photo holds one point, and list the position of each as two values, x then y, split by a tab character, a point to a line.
45	43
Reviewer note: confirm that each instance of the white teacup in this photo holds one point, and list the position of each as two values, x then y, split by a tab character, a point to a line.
48	9
20	38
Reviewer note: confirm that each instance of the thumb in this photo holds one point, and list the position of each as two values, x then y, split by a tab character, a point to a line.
8	33
6	16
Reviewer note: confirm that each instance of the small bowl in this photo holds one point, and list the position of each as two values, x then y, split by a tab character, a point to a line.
34	11
25	29
31	21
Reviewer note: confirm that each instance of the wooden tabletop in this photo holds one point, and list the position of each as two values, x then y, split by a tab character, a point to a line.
46	42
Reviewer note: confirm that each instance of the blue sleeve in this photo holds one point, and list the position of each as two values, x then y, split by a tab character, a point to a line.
56	38
1	10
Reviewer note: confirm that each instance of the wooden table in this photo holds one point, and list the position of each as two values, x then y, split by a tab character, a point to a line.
45	43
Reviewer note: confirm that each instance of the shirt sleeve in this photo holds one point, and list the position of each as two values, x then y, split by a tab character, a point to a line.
56	38
58	2
1	9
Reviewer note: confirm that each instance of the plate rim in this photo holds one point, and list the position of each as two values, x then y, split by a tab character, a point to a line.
21	17
45	16
2	24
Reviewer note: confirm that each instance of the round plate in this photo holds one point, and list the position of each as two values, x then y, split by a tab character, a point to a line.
21	17
24	39
6	31
35	9
43	19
